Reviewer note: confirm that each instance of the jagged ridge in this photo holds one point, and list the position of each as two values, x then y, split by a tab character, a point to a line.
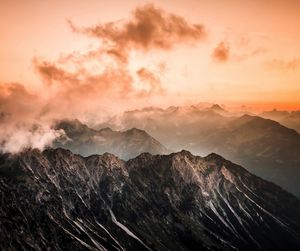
56	199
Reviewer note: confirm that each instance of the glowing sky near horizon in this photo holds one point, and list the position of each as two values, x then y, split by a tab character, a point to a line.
250	53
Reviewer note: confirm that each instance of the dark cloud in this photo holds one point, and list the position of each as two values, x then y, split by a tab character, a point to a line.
221	53
150	28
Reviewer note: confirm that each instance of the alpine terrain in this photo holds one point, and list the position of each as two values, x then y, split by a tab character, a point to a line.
57	200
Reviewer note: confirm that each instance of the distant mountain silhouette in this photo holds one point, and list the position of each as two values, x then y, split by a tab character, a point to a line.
286	118
176	127
86	141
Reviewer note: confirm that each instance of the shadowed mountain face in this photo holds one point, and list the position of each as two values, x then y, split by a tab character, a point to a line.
263	146
57	200
86	141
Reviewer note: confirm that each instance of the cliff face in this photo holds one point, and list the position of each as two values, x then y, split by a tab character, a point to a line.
58	200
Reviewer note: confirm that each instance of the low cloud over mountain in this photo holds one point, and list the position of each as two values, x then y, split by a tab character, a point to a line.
91	85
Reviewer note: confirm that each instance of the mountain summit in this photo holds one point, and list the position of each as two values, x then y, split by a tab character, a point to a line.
58	200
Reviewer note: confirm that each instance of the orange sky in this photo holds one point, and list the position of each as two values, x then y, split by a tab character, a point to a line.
247	53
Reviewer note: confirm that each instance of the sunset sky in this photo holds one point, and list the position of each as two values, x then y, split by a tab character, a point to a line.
229	52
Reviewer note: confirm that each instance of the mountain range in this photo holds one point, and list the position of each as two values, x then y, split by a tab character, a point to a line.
289	119
84	140
177	127
57	200
263	146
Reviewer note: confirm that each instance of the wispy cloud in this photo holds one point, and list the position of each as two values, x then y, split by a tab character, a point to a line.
285	65
225	51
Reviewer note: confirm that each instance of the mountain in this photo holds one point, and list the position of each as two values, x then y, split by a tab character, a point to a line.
57	200
217	108
175	127
263	146
274	114
83	140
286	118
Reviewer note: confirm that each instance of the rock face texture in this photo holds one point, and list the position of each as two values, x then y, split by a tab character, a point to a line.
57	200
86	141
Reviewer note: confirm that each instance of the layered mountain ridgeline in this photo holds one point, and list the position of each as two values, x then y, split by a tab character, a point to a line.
175	127
83	140
263	146
55	200
289	119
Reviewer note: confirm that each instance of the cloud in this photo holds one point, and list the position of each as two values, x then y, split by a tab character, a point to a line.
95	84
24	136
153	80
285	65
16	101
116	82
83	92
243	51
21	126
249	54
150	28
221	53
71	77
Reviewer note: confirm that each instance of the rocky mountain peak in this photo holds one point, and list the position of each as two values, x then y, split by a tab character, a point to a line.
152	202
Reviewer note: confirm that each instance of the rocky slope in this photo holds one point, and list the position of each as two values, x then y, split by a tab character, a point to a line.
86	141
56	200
